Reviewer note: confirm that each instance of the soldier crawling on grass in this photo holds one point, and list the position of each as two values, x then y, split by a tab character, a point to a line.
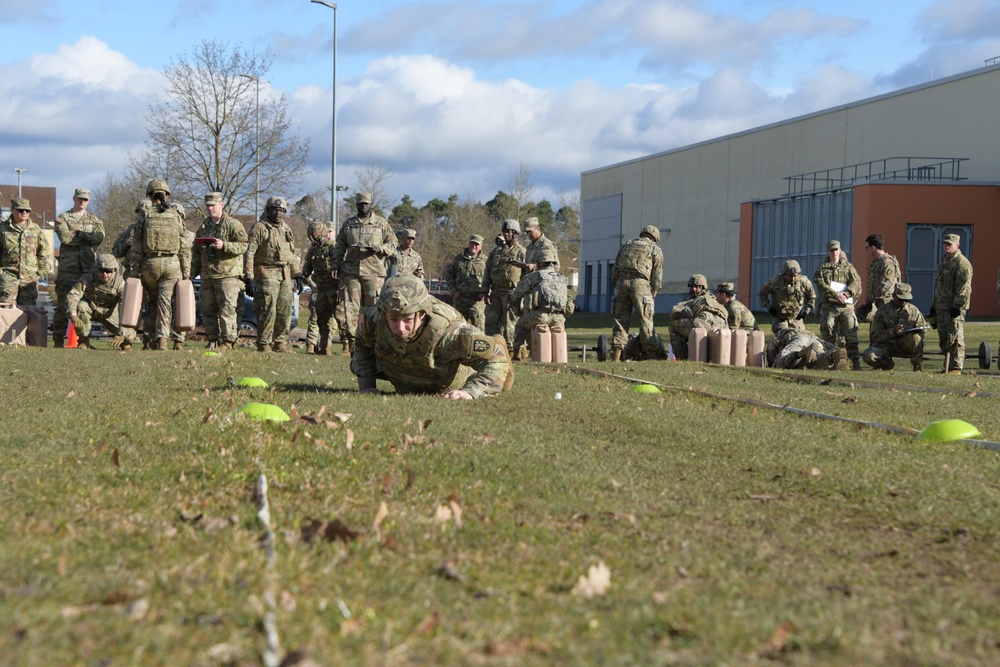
792	347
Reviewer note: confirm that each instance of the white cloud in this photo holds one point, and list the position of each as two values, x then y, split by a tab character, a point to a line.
961	20
26	11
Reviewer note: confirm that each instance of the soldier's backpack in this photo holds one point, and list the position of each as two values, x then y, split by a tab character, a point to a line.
636	256
163	232
552	293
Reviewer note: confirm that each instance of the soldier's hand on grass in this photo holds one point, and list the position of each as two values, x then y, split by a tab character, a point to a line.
116	342
457	395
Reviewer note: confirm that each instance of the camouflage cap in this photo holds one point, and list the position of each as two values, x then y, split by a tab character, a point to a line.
20	204
410	233
531	223
547	256
950	239
82	193
833	245
107	261
510	224
476	238
698	279
652	232
791	268
213	198
499	239
726	288
363	198
903	292
403	295
157	185
276	202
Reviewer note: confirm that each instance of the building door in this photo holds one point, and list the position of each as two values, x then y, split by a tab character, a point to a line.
924	252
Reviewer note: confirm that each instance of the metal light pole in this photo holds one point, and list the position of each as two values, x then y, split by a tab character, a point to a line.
336	208
19	171
256	162
333	146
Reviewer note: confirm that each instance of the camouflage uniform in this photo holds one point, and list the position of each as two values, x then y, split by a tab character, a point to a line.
271	265
541	299
465	279
503	273
787	302
885	343
25	258
883	274
221	275
359	255
740	317
79	236
535	249
952	293
161	255
797	348
318	267
702	310
444	353
835	316
407	260
92	299
122	248
637	277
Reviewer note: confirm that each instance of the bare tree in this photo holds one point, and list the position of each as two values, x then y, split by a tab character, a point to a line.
566	231
374	178
204	136
114	201
521	187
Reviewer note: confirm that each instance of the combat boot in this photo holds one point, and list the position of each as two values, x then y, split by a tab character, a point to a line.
162	344
83	343
310	348
856	364
264	348
282	347
346	352
211	345
58	340
616	354
126	346
227	345
808	357
954	371
918	368
178	345
508	381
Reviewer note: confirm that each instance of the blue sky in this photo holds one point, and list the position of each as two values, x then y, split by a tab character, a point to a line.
452	95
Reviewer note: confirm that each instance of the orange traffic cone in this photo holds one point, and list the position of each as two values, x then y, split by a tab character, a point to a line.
71	339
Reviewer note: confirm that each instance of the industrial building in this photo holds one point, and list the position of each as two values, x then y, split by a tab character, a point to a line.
911	165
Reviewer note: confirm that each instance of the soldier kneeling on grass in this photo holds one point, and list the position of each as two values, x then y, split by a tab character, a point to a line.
422	346
798	348
897	331
95	297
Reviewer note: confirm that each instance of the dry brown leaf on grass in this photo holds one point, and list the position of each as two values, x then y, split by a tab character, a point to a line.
448	571
428	624
313	529
596	582
383	512
115	458
71	394
423	424
209	416
349	440
320	412
850	399
779	639
815	472
342	417
456	511
442	514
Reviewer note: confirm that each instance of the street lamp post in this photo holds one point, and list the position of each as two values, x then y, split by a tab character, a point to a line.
333	144
336	208
19	171
256	161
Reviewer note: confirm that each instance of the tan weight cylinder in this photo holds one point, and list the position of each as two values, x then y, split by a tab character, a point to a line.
132	303
755	352
184	310
698	344
560	353
541	344
719	341
738	348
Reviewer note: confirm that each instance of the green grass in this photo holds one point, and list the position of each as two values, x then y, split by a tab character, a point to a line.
734	534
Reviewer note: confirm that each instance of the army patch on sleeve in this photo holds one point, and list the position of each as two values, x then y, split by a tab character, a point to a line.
479	346
361	323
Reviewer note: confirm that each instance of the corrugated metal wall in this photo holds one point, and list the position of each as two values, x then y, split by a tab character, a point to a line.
798	228
601	237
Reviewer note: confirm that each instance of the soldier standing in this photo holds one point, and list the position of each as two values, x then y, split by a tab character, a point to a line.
952	293
740	317
407	260
637	277
95	298
364	243
162	256
839	288
80	233
897	331
222	242
465	282
883	274
788	297
700	310
269	270
504	268
539	242
422	346
318	267
541	298
25	256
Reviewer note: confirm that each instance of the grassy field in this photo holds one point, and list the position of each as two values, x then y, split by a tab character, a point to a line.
413	530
